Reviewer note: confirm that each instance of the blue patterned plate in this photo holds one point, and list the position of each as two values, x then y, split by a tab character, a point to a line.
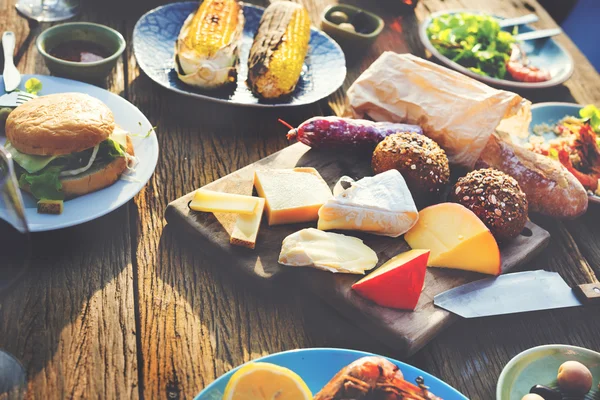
317	366
154	39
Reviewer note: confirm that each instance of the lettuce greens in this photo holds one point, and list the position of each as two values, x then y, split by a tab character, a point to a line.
592	114
33	86
45	183
474	41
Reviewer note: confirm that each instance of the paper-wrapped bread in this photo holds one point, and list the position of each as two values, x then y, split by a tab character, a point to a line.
456	111
471	121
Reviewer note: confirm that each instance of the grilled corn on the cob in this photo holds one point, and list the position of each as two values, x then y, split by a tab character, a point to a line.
206	53
279	48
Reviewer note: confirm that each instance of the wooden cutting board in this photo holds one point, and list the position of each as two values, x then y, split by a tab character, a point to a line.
405	331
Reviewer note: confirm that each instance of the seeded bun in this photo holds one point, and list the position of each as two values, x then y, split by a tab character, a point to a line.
420	160
496	199
96	178
59	124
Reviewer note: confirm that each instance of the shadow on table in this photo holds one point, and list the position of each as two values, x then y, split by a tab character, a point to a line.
183	111
58	299
245	318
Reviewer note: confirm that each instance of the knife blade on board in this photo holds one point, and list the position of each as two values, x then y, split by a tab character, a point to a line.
515	293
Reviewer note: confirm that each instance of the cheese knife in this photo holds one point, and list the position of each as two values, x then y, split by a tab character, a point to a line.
516	293
11	74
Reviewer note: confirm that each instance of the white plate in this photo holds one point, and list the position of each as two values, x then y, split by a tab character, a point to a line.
96	204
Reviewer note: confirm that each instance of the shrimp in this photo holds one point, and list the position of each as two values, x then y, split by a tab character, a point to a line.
587	151
373	378
518	66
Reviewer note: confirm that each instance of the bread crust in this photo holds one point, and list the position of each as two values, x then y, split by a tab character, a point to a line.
59	124
87	183
550	188
496	198
420	160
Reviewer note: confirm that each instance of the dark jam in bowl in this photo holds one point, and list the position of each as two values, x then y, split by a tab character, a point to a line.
79	51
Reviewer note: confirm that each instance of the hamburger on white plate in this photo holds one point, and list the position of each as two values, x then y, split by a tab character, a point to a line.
66	145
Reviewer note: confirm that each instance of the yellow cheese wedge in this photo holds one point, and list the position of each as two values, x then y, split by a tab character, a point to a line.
210	201
457	239
292	195
247	226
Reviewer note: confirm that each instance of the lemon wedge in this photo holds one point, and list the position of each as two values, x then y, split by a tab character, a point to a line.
264	381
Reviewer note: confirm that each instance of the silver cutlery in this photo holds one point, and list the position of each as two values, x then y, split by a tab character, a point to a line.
12	209
14	99
11	75
522	20
541	34
515	293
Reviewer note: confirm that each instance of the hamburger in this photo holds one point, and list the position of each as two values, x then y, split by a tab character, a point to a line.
66	145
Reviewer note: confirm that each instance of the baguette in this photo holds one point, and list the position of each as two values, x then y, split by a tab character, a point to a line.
550	188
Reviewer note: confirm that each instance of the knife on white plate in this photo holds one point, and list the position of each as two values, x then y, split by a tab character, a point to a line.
11	75
516	293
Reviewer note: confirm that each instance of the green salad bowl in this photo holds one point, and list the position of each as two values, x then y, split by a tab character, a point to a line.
108	38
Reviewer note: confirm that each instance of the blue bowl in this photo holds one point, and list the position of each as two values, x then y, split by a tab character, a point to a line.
317	366
550	113
545	54
539	365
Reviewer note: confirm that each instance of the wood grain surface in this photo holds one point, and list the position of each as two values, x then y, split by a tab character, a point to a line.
124	307
71	319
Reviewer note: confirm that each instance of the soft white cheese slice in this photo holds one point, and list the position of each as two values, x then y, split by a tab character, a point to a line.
381	205
119	135
329	251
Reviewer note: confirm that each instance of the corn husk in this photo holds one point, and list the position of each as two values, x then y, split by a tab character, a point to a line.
204	71
456	111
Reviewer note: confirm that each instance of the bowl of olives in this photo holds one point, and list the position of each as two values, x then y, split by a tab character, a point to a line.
350	26
552	372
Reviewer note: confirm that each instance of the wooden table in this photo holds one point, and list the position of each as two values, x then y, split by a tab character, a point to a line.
125	307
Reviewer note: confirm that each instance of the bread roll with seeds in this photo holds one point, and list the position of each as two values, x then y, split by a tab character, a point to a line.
496	199
420	160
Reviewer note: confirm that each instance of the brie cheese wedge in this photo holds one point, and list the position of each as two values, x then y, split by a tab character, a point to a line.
381	205
332	252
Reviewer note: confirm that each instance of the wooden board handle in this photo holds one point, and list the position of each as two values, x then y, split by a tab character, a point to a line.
588	293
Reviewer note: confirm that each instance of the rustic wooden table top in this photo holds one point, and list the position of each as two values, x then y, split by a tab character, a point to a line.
126	307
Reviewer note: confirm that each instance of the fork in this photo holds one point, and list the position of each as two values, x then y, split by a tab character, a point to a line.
15	99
